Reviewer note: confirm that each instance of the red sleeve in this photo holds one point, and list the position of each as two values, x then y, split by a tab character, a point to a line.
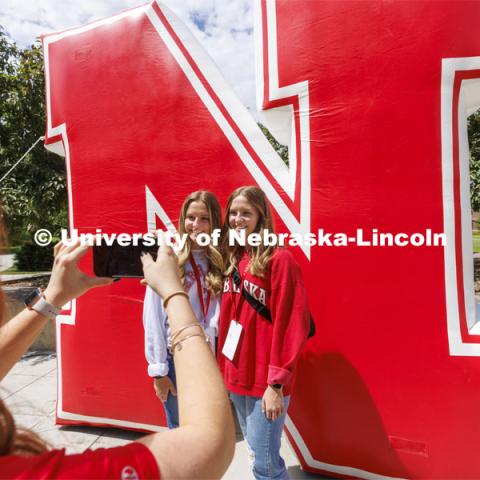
130	462
290	317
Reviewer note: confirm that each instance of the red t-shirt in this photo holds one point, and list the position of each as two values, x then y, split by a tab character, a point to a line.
267	353
130	462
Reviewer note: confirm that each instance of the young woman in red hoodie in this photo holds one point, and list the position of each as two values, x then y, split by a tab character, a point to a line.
264	322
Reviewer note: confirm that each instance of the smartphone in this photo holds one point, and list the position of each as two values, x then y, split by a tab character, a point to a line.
118	261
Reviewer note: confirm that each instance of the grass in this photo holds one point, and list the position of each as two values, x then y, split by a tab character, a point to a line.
10	249
14	271
476	242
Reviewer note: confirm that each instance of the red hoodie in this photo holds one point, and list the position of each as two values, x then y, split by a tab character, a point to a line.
267	352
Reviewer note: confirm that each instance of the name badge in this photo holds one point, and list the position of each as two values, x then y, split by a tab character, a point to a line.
231	342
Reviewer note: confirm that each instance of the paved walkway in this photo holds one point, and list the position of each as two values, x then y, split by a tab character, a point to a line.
7	261
29	391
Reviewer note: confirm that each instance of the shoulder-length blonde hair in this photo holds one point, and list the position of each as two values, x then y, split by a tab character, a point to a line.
214	279
261	255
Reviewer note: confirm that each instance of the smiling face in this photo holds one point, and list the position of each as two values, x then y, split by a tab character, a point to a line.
197	220
243	215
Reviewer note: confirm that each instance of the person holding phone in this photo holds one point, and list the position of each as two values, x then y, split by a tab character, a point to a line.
201	270
206	417
264	323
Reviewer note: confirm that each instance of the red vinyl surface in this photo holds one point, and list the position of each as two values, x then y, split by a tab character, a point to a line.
378	389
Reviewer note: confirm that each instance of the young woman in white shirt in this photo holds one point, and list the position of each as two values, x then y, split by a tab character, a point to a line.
201	272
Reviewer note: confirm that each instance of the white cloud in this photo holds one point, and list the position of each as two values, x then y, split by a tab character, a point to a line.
224	28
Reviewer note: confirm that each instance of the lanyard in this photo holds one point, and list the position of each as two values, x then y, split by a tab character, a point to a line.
233	286
200	289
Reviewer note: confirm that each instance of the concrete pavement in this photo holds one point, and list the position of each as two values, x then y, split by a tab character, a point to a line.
29	391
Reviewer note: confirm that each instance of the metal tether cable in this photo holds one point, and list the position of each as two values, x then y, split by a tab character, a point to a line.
21	158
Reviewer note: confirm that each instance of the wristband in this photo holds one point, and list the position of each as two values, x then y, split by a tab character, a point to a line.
36	301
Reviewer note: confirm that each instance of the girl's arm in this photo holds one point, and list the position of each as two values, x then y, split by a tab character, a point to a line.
66	283
154	318
290	317
17	335
154	323
203	445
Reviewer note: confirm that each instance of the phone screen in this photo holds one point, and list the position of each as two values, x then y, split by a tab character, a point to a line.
118	261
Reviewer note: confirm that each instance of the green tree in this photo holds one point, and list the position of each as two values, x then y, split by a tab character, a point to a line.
34	195
282	150
474	143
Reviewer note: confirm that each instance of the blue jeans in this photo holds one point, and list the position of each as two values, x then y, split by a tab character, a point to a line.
262	437
171	405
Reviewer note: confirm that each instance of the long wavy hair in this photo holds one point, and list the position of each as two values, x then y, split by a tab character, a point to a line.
214	278
15	441
261	255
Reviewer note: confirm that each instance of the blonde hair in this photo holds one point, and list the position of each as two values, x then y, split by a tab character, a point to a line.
214	278
261	255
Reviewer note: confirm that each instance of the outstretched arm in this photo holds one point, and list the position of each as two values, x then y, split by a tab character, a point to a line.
66	283
203	445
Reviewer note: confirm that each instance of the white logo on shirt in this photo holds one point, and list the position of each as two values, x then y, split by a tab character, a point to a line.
129	473
226	286
255	291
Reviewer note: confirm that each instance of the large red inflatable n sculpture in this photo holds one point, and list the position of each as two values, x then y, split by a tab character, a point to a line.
374	97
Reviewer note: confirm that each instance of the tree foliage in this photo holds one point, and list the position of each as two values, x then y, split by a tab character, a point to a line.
282	150
34	195
32	258
474	143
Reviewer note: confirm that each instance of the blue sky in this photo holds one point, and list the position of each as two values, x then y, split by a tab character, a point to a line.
224	27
